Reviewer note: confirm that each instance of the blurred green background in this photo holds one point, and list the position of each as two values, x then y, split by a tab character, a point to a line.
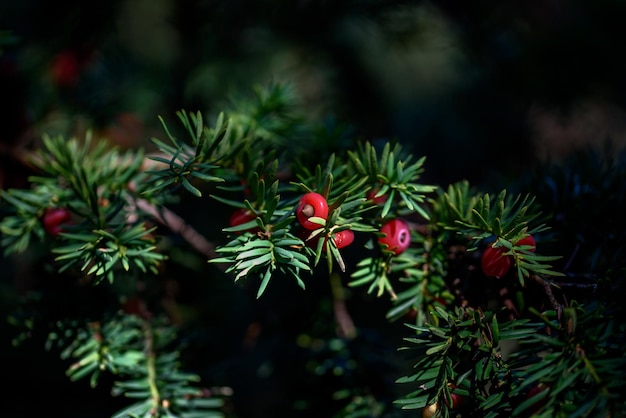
481	88
485	90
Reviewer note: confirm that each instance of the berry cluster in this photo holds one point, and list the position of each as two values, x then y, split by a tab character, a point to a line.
312	211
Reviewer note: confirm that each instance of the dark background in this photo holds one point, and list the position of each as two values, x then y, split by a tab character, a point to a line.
481	88
486	90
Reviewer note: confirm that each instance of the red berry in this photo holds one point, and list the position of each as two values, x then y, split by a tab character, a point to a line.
311	204
378	200
241	216
457	400
494	263
529	240
343	238
397	236
54	219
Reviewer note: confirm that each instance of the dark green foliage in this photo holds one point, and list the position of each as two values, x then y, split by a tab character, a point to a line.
462	333
96	184
155	306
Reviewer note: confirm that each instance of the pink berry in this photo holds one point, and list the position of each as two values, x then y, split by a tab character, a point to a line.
397	236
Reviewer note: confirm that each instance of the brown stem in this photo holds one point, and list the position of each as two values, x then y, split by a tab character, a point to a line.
548	289
178	225
162	215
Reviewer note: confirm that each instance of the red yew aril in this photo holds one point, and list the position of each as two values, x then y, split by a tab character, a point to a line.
343	238
397	236
241	216
311	204
457	400
530	241
378	200
494	263
54	219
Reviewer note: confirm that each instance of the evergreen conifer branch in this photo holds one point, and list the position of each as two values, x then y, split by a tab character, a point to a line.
140	353
247	161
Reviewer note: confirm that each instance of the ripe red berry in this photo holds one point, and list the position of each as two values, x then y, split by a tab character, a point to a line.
494	263
529	240
343	238
241	216
54	219
397	236
311	204
378	200
457	400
